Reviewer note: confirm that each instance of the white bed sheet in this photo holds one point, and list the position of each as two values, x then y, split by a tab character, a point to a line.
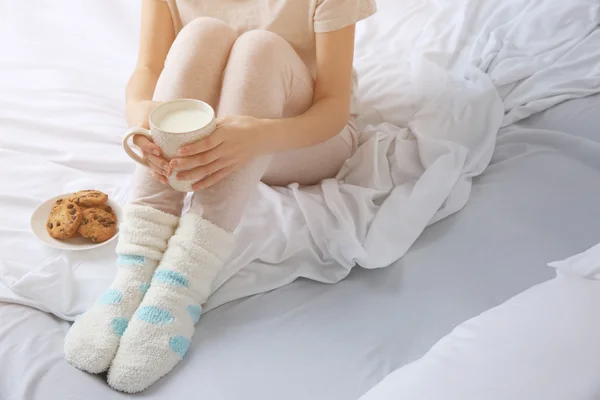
431	99
309	340
305	340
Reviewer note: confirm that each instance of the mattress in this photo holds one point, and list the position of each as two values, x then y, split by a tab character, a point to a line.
309	340
305	340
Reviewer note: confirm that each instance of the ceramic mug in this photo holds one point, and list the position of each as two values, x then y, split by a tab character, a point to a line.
174	124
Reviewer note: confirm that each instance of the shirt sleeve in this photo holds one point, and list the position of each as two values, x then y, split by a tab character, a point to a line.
332	15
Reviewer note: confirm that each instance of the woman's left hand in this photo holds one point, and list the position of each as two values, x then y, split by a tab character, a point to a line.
236	141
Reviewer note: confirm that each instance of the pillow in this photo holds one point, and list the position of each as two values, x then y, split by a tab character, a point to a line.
541	344
585	265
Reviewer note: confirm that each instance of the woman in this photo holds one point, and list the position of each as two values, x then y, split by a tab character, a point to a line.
279	74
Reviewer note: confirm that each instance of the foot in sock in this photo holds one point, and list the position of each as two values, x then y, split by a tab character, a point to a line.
161	329
92	341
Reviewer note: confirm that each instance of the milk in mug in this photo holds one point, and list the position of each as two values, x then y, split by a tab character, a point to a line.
174	124
183	120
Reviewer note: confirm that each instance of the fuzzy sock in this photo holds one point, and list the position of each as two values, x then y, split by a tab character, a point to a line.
92	341
161	329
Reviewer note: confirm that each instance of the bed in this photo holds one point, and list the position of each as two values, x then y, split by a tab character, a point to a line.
305	340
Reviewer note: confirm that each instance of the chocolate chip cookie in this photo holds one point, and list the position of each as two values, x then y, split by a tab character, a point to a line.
89	198
64	220
97	225
104	207
58	203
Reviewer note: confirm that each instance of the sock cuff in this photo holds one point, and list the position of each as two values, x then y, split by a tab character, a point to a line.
195	267
212	238
135	211
145	231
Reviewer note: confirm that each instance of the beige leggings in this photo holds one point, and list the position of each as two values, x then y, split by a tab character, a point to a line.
256	74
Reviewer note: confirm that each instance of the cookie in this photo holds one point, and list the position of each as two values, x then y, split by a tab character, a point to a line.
97	225
64	220
104	207
89	198
58	203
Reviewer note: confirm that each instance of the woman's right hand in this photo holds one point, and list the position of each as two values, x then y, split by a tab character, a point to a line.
138	114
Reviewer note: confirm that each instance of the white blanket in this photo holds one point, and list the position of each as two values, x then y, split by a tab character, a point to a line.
438	79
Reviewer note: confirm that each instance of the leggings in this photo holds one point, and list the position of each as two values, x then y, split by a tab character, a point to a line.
257	74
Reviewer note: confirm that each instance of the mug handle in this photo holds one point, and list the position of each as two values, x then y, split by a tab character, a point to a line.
132	132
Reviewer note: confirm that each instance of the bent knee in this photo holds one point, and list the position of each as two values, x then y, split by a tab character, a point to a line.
207	30
261	38
260	44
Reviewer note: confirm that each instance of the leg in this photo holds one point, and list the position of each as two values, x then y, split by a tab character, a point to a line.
310	165
263	78
194	68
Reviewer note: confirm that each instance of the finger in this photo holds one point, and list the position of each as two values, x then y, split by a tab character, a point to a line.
202	145
159	162
214	178
159	178
146	145
199	173
156	169
197	160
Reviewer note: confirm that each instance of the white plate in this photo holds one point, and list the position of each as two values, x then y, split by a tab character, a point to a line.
40	217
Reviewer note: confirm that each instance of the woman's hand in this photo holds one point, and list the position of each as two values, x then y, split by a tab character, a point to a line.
236	141
138	114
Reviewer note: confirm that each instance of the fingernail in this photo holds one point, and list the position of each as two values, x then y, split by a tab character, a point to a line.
156	152
181	152
173	164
